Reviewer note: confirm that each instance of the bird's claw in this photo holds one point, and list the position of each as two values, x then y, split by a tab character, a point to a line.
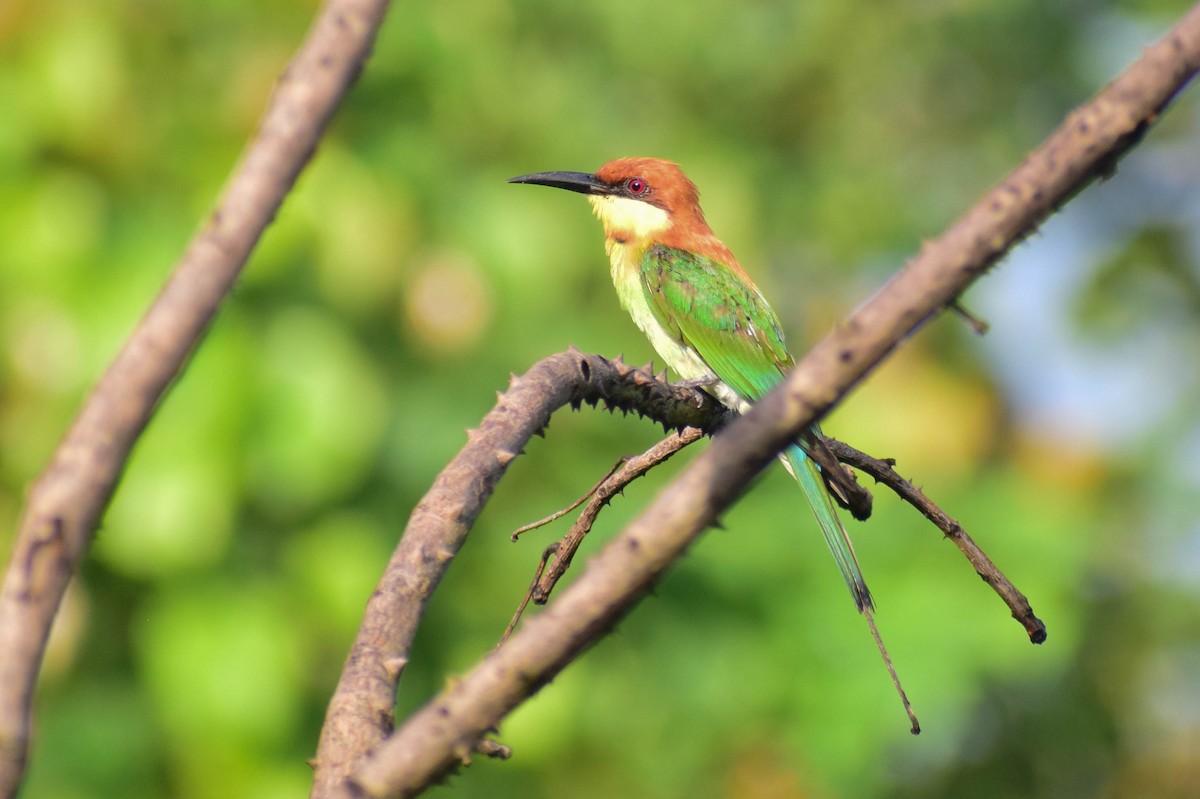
697	382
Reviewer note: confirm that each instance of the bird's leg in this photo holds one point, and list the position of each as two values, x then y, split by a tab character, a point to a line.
698	382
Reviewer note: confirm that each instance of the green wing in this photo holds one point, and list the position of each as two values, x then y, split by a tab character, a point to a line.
709	308
720	316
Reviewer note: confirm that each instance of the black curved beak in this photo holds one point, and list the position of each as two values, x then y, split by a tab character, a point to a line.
581	182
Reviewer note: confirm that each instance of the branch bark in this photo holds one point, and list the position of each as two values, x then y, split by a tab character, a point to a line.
65	504
1086	146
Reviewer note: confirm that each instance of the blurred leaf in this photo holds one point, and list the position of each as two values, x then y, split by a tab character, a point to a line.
224	665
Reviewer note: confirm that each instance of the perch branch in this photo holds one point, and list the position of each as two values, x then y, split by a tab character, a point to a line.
1086	146
65	504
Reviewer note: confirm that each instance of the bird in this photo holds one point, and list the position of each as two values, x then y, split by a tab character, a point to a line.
699	308
704	316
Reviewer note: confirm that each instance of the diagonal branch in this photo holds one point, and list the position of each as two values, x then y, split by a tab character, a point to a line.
884	472
1087	146
65	504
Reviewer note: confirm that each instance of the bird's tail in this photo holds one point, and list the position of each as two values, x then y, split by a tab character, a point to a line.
809	477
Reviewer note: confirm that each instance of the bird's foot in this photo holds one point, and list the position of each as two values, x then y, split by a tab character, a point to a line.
698	382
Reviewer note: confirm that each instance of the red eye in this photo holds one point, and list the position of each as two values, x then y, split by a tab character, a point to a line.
635	186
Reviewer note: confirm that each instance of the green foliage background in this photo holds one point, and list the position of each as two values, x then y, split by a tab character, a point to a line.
404	281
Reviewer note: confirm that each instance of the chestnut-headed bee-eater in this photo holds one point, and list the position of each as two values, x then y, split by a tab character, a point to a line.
701	311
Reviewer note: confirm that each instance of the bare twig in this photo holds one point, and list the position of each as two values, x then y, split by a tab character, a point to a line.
547	553
978	326
561	512
631	470
64	505
1085	147
884	472
493	749
628	469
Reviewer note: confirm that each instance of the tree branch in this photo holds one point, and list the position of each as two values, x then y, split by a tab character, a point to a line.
361	710
1087	146
884	472
597	497
66	502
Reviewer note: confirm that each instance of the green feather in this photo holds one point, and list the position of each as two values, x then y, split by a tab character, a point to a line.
808	475
720	316
709	309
